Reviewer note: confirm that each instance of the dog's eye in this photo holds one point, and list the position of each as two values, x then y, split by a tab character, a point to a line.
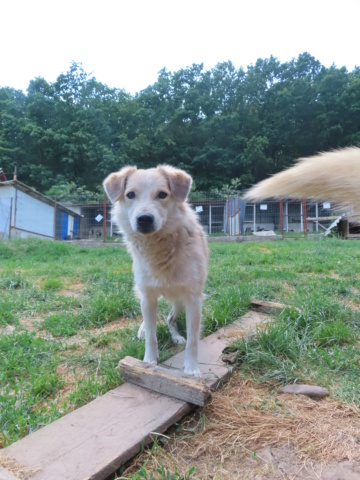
130	195
162	195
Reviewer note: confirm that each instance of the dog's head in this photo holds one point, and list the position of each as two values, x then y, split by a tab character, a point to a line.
148	197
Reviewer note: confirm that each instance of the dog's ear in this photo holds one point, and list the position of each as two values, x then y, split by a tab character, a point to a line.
179	182
114	184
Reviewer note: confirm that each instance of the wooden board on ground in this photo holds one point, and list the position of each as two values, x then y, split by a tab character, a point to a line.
95	440
165	380
273	308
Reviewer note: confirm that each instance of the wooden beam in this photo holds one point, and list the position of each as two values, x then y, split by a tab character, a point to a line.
173	383
322	219
273	308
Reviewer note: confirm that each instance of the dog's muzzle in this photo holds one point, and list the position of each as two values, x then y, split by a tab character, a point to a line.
145	223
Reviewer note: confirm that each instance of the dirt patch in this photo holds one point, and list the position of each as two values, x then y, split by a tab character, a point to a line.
117	324
31	323
7	330
289	289
352	305
71	377
334	275
75	290
83	337
275	463
248	431
264	250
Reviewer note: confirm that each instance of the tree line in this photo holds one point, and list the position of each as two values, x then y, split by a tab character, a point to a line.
227	127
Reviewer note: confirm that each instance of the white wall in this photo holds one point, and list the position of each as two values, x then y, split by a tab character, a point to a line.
6	193
5	207
33	217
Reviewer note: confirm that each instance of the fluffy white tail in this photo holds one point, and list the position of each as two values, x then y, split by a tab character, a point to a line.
332	176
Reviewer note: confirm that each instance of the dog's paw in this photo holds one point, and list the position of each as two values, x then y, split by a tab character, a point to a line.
178	339
151	358
141	332
152	362
192	369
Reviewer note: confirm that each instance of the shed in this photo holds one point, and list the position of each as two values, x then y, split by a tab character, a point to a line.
24	213
348	229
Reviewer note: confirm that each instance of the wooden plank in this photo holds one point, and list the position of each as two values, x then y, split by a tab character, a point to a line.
165	380
267	307
321	219
322	226
95	440
273	308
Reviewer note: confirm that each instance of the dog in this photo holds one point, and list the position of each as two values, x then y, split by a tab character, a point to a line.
168	247
332	176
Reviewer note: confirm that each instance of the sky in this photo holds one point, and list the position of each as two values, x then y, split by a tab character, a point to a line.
125	43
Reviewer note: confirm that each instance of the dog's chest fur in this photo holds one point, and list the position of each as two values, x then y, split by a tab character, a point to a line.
160	258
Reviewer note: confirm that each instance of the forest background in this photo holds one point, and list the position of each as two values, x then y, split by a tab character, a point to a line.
226	127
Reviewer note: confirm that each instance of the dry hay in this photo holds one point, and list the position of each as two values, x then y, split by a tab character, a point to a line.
245	418
15	468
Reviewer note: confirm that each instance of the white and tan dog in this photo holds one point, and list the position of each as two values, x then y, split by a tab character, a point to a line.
333	176
168	247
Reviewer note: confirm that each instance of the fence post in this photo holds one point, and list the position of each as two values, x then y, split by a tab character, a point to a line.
254	217
304	217
229	215
281	217
11	207
242	216
238	206
286	217
55	208
15	209
104	220
210	220
317	216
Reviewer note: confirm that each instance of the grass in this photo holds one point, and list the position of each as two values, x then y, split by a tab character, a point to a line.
68	315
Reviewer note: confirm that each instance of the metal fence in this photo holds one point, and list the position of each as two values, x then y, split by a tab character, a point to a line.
227	214
220	213
282	217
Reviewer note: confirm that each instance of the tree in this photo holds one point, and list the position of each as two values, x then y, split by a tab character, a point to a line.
12	122
219	125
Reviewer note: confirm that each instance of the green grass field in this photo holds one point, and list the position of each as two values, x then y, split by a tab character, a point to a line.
68	315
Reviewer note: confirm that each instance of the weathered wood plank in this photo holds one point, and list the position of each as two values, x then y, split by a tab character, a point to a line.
321	219
164	380
95	440
269	307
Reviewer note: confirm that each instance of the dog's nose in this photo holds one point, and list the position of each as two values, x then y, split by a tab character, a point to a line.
145	223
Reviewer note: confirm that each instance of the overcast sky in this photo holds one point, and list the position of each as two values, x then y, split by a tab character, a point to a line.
124	43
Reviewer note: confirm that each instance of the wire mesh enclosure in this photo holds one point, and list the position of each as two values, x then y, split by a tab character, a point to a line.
24	213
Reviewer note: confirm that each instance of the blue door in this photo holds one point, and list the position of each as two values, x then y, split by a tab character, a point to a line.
61	225
64	225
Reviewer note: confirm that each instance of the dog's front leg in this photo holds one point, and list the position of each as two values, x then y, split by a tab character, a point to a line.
193	320
149	312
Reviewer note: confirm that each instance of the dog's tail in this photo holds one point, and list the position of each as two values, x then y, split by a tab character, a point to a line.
333	176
